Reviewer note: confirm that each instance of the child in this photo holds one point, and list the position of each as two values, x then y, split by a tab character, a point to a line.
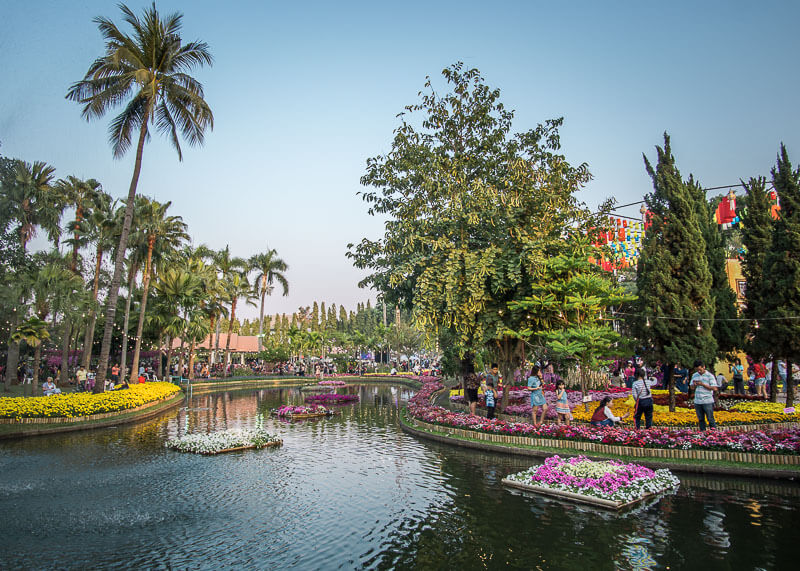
491	398
562	405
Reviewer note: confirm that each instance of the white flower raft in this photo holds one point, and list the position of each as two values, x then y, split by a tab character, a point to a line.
608	484
224	441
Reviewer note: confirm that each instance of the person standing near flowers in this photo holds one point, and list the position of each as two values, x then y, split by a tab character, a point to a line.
491	398
738	376
472	384
562	403
643	397
704	385
538	401
761	379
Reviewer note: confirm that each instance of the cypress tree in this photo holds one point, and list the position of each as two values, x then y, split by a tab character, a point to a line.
728	333
782	267
674	283
757	227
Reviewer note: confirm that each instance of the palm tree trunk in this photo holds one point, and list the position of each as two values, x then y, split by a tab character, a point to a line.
124	359
88	341
182	357
148	269
37	361
216	343
213	320
228	340
65	352
261	315
12	362
191	359
159	368
113	290
169	356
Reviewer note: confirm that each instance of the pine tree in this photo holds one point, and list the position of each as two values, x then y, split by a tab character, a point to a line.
757	224
727	331
782	268
677	311
323	317
342	325
315	317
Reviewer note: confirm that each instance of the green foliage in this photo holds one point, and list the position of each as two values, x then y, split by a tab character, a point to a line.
275	354
567	308
757	227
473	212
673	280
728	333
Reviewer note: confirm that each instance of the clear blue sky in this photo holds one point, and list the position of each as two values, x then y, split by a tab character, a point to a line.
304	92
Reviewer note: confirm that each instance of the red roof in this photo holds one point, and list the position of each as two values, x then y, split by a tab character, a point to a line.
239	343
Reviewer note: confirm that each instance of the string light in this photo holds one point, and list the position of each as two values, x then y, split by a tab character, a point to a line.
699	327
648	322
755	324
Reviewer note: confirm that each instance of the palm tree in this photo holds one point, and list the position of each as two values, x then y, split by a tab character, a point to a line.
225	265
102	226
28	202
148	69
236	287
85	196
179	289
270	269
33	331
166	232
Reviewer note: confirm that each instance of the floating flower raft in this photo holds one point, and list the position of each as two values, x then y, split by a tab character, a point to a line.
298	412
224	441
608	484
331	398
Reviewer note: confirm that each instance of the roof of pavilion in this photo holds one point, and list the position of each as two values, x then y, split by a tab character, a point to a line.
239	343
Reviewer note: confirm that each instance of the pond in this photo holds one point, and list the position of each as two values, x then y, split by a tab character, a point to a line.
349	491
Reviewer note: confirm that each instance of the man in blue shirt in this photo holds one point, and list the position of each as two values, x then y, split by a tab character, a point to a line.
704	384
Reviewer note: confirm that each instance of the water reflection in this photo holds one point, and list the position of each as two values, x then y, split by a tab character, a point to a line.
349	491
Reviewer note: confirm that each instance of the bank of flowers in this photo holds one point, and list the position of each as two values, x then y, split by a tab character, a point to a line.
292	410
72	405
332	383
223	440
331	398
519	399
607	480
782	441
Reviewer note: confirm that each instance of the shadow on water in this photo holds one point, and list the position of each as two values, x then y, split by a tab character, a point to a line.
349	491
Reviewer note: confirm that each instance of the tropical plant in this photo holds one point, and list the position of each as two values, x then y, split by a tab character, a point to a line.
147	72
269	269
34	331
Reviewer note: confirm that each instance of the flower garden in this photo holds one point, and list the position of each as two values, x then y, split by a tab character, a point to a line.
223	441
733	410
291	411
780	441
616	484
73	405
331	398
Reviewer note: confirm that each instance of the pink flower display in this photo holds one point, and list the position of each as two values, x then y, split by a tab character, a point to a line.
331	398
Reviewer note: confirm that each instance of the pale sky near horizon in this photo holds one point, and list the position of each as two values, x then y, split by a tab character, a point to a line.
303	93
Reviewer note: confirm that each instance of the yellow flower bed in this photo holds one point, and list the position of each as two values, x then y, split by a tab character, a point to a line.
761	407
84	404
687	417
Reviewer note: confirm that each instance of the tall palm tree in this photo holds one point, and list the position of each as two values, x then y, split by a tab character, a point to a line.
226	265
236	287
163	234
102	227
148	69
269	268
179	290
85	196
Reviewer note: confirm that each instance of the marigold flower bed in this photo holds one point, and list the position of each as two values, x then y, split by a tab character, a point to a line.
84	404
615	484
786	441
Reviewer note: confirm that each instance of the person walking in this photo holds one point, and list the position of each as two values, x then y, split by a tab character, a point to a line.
642	395
704	385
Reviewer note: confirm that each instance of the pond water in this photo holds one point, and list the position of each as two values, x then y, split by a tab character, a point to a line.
350	491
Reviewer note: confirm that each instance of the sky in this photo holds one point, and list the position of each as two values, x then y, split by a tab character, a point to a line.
303	93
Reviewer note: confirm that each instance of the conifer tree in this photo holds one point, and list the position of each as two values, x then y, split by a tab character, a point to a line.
342	325
757	224
315	317
323	317
782	269
674	284
727	331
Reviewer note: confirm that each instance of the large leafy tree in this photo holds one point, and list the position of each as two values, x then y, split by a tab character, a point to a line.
472	213
146	71
673	281
782	268
269	268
